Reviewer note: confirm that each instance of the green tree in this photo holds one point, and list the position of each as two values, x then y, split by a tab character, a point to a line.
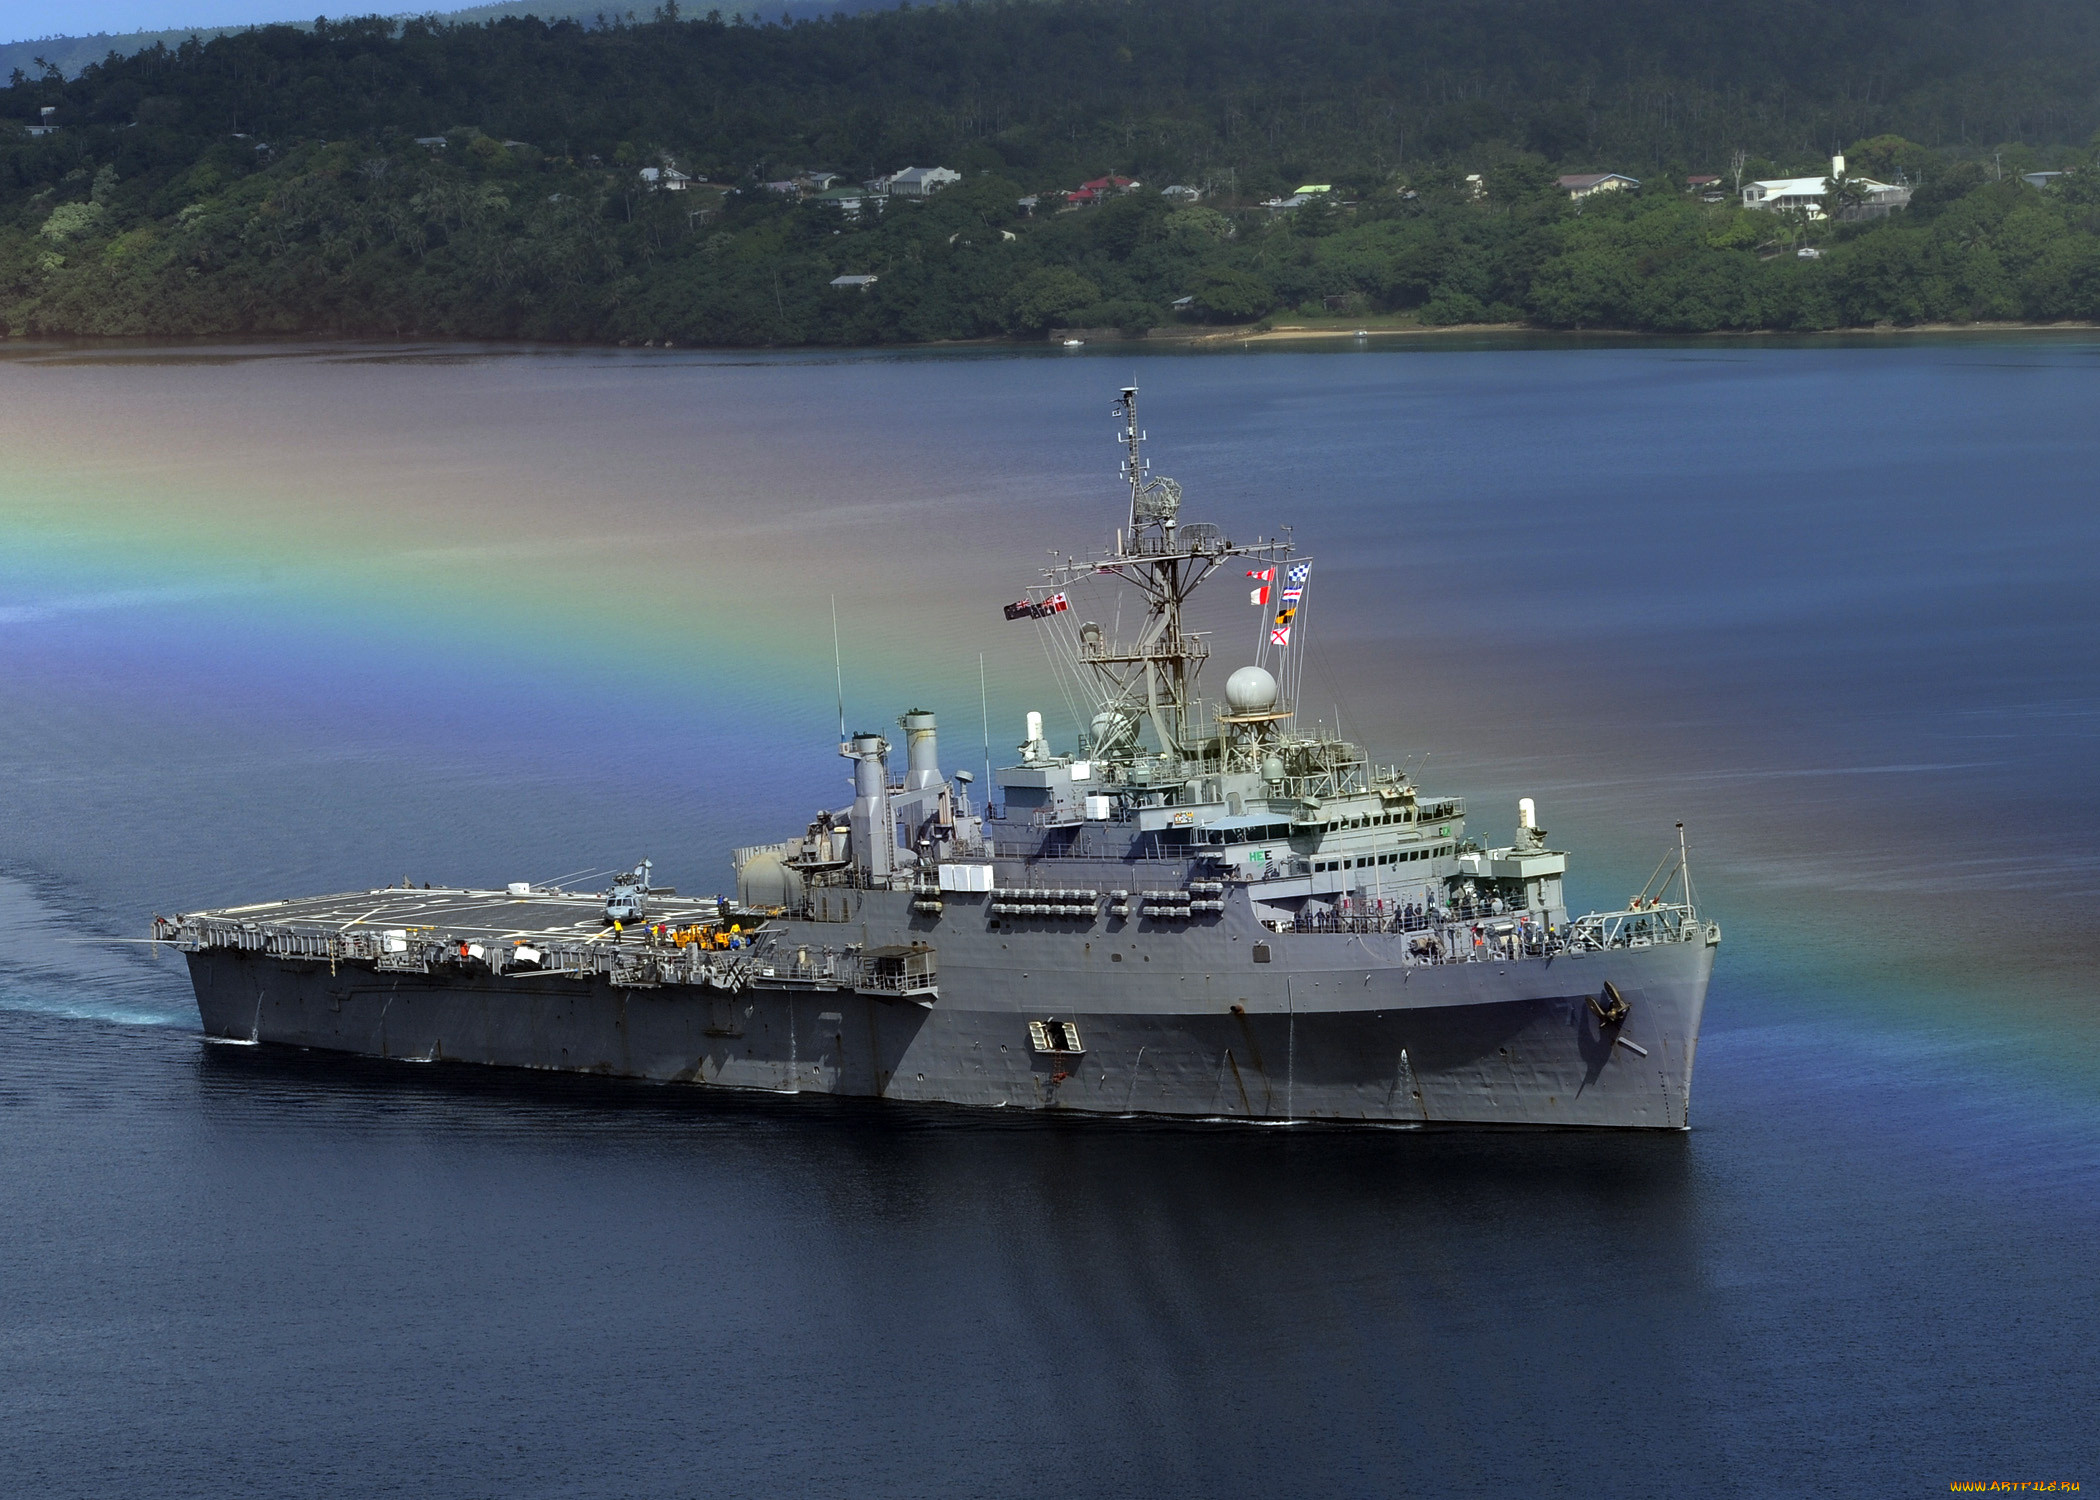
73	221
1195	228
1843	194
1224	294
1049	295
1887	158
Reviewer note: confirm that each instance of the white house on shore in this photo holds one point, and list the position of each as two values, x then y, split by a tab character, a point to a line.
1582	184
920	182
1805	195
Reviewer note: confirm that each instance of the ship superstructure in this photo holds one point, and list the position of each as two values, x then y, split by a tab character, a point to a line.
1198	907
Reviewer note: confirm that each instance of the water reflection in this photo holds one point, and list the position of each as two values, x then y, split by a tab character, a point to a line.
1218	1298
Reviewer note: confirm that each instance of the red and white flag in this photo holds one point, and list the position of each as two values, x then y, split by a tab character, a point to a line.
1057	604
1260	595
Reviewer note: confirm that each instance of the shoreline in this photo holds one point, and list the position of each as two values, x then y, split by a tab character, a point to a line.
1296	332
1180	338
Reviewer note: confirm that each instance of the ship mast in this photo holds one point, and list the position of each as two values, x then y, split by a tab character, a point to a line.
1152	680
1164	502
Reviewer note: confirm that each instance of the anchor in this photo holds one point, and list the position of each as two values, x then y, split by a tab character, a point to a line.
1612	1009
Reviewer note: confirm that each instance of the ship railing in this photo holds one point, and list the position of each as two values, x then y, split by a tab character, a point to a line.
1640	926
824	971
1440	936
1476	933
872	982
1168	647
913	974
421	951
1408	918
1348	922
1029	849
854	878
1043	819
1192	539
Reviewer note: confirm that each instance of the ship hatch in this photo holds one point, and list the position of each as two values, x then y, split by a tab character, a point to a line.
1054	1036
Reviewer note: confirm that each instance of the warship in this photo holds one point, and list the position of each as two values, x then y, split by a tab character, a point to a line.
1199	908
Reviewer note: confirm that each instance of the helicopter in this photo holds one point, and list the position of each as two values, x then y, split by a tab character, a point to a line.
628	900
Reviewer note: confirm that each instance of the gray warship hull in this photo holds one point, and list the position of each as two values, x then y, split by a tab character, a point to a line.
1177	1020
1197	909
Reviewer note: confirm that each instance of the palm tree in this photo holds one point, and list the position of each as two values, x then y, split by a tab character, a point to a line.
1842	193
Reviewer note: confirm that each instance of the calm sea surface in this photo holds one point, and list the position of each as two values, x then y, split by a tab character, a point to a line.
288	619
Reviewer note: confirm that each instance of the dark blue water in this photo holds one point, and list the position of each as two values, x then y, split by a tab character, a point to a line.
1832	606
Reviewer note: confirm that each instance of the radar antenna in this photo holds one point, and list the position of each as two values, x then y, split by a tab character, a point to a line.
1153	502
1152	679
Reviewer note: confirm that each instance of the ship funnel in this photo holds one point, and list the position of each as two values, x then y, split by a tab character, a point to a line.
874	840
922	752
869	751
1527	813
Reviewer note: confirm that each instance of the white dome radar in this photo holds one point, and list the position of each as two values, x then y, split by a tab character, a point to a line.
1250	690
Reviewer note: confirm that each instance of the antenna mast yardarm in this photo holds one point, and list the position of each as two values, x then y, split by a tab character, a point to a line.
1154	677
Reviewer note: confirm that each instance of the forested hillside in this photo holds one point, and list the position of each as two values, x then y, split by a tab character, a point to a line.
273	180
70	54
